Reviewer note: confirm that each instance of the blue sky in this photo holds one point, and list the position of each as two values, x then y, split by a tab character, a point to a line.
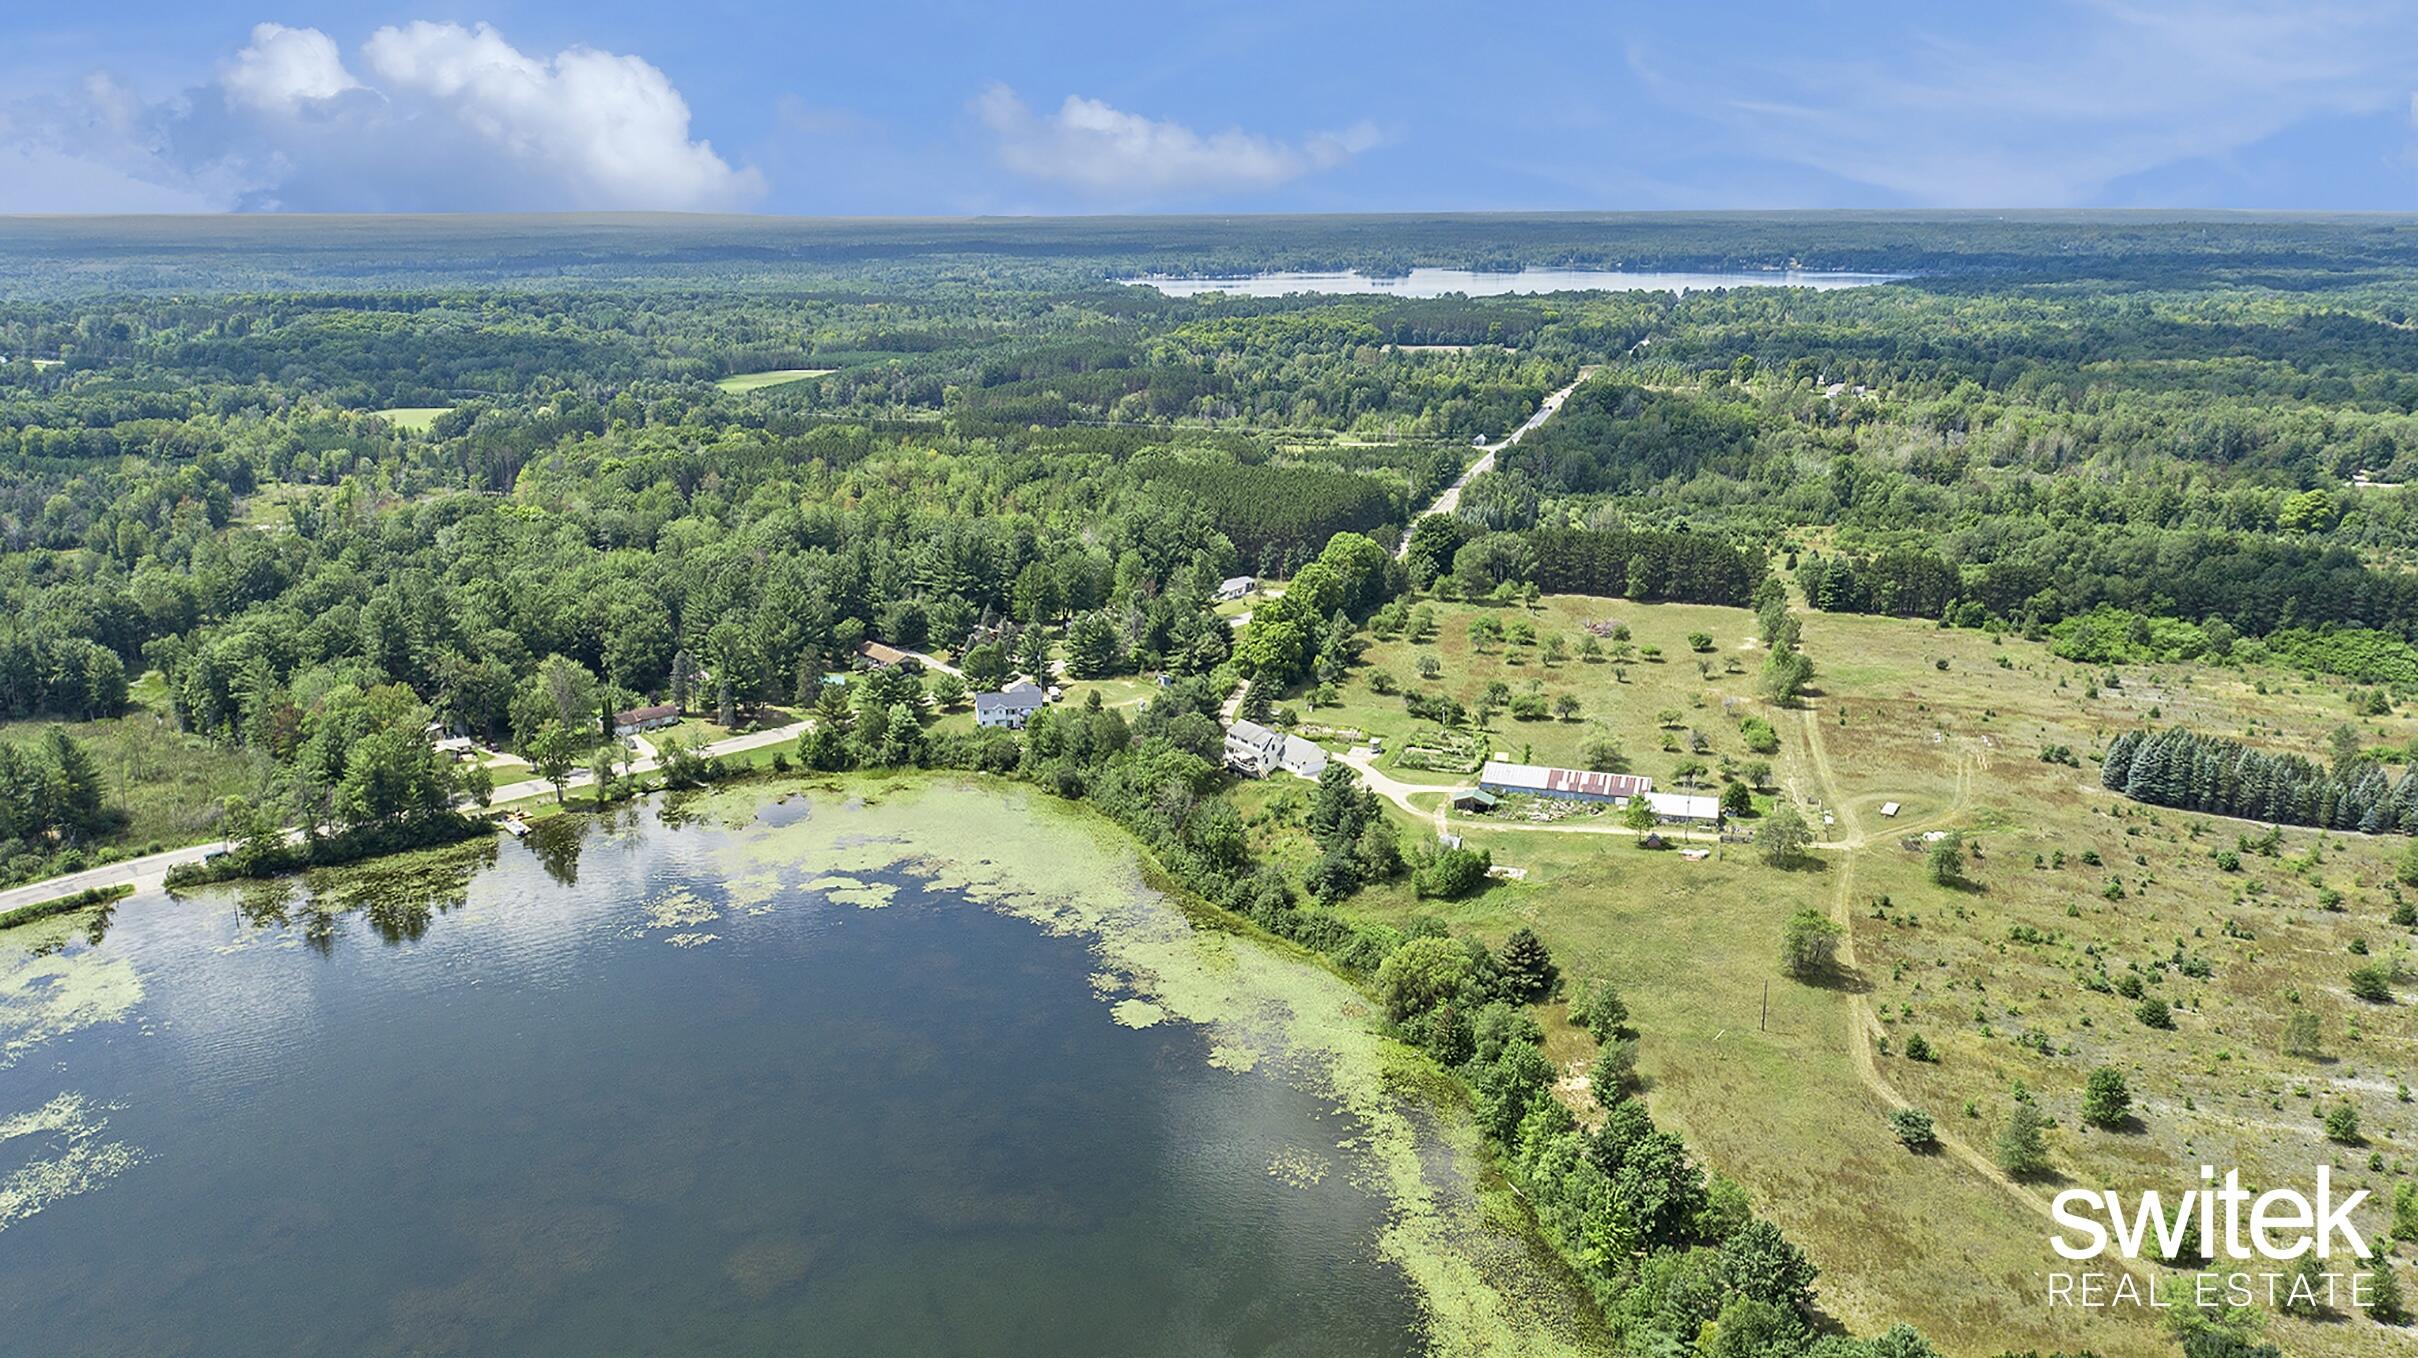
912	107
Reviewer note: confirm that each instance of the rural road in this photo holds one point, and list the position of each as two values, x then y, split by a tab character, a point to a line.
753	740
145	873
151	870
1450	500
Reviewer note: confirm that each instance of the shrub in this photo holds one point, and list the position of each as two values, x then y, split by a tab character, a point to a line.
2302	1036
2373	983
2106	1100
1600	1010
1809	944
1447	873
2154	1013
1913	1130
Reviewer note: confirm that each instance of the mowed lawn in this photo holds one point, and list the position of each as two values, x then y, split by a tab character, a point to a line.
741	383
1931	719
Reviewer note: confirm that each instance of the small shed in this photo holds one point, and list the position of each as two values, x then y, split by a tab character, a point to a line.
1475	799
1889	808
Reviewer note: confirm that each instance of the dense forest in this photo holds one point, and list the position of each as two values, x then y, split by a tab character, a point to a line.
326	500
2181	438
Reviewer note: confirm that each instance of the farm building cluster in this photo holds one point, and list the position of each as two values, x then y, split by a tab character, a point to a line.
1501	778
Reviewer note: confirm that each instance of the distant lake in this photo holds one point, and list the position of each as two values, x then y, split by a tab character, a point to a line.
763	1076
1437	282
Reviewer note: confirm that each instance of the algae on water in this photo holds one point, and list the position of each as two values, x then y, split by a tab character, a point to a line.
1483	1289
70	1156
46	996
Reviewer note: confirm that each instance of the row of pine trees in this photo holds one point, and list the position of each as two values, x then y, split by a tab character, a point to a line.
2193	772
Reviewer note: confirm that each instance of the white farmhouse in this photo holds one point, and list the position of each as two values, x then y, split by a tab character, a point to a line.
1010	708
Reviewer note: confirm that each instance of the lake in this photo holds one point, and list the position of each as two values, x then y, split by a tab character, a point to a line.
926	1071
1438	282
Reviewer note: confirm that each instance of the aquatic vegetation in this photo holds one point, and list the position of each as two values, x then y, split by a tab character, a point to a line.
754	892
1137	1013
80	1161
854	890
1484	1286
47	995
679	908
1300	1168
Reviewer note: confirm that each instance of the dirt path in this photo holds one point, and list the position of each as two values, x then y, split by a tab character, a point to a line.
1393	789
1862	1026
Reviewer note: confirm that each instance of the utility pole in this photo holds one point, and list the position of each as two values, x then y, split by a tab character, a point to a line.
1764	1024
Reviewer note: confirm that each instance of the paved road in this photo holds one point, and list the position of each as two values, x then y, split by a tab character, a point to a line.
151	870
1450	500
145	873
753	740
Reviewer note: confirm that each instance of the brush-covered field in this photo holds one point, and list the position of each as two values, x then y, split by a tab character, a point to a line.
170	785
2077	907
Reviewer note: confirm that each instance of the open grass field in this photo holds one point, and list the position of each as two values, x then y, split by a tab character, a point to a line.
2016	979
412	419
741	383
169	783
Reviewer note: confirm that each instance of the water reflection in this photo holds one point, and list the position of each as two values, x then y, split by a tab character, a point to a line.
543	1129
557	842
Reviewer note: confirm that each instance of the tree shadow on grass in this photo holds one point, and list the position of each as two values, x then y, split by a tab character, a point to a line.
1836	979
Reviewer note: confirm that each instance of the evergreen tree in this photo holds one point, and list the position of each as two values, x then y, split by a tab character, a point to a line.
2023	1147
2106	1100
1529	974
76	798
1093	649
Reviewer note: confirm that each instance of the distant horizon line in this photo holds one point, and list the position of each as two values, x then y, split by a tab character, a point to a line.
1567	214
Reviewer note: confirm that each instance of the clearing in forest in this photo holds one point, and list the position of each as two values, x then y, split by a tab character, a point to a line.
742	383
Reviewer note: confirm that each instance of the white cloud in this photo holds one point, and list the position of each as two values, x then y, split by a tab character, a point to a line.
441	118
1105	151
284	68
613	124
